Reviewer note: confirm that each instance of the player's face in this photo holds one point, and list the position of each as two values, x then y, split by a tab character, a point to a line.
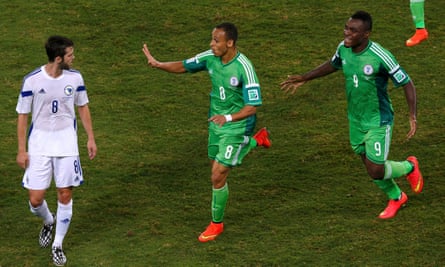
219	43
356	35
67	61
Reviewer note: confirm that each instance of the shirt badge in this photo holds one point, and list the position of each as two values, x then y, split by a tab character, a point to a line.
234	81
368	70
69	90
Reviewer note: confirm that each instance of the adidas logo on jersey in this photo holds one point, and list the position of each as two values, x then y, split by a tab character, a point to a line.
42	91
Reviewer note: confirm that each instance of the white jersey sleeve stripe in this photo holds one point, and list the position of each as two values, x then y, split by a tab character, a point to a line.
248	68
392	65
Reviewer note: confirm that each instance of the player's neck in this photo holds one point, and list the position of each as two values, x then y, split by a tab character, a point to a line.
53	69
229	55
360	47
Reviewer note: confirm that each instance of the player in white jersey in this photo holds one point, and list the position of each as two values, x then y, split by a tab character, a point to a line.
50	93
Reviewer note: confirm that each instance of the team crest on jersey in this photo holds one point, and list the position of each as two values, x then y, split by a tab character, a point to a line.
234	81
253	94
69	90
368	69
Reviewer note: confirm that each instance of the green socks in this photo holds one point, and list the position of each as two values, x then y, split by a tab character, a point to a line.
417	12
393	169
219	201
396	169
390	188
253	143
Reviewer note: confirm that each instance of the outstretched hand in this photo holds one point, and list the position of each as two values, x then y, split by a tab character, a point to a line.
150	59
292	83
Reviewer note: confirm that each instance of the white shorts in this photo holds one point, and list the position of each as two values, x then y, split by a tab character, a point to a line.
66	171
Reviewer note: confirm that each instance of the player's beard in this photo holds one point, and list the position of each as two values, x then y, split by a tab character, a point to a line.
64	66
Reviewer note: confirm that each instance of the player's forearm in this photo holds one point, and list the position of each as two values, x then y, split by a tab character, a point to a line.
22	122
245	112
411	99
85	117
320	71
172	67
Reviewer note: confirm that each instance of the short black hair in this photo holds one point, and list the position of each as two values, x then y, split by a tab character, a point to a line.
230	30
365	17
55	46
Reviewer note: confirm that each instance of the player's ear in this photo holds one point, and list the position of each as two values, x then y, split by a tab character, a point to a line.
230	43
367	33
58	59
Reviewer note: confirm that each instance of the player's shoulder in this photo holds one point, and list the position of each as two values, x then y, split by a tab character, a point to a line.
242	57
72	72
33	73
378	49
383	55
243	60
341	45
200	58
208	54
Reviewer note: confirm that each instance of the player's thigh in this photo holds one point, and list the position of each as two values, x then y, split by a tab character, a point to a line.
213	145
67	171
232	150
378	141
357	139
38	174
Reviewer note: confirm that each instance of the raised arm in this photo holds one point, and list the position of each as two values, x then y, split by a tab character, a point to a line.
173	66
295	81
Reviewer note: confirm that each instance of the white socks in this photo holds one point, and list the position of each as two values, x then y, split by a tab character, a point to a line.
64	214
43	212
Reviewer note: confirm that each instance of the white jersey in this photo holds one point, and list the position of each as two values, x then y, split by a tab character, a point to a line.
52	101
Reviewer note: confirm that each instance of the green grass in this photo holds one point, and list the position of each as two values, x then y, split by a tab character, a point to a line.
307	201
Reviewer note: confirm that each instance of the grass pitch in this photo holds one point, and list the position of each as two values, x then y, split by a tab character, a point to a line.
307	201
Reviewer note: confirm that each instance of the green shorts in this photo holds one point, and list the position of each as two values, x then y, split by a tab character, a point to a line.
374	143
228	149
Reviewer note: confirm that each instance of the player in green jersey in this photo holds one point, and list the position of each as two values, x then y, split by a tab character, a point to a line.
367	67
418	15
234	98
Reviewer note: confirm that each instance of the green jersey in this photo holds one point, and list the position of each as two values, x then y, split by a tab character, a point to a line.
366	74
234	85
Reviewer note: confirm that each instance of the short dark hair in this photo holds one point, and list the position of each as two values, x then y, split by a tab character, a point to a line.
365	17
230	30
55	46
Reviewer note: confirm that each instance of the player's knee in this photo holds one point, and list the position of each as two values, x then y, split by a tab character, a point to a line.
35	202
376	173
36	198
64	195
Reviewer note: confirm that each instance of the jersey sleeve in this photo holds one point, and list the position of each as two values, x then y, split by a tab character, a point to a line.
399	77
251	84
336	58
397	74
198	62
81	96
24	103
